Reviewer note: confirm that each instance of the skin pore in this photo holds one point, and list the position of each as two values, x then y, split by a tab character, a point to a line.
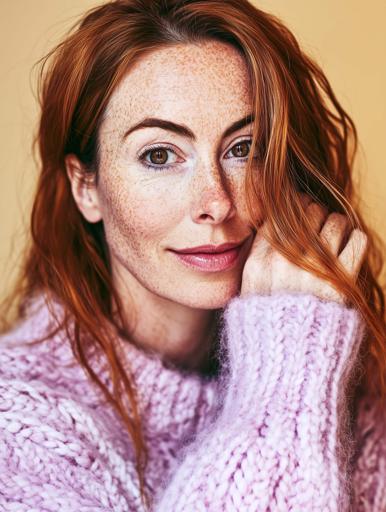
199	199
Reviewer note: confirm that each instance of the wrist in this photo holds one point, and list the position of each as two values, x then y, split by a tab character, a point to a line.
285	347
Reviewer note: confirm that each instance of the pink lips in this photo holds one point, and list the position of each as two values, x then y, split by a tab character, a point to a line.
210	248
211	262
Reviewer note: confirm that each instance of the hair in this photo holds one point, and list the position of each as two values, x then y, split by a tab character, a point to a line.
306	142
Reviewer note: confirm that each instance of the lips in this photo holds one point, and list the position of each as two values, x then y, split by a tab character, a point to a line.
211	258
211	262
209	249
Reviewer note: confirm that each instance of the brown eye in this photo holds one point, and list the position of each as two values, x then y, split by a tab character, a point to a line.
161	156
240	149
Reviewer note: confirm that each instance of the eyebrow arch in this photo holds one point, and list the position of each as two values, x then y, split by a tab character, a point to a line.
151	122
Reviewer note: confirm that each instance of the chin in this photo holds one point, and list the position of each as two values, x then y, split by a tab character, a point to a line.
213	296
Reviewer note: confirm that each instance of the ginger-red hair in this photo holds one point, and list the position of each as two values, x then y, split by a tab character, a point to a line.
307	143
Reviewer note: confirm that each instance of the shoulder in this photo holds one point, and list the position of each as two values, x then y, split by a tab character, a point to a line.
62	446
38	350
50	362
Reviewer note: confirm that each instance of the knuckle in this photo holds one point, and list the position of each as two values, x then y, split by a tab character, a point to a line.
362	237
314	206
335	222
338	217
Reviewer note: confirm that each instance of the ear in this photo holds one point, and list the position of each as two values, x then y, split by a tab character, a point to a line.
83	189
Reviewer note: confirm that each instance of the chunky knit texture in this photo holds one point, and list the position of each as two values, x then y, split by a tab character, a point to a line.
268	433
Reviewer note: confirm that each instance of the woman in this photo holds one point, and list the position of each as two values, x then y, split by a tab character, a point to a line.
140	373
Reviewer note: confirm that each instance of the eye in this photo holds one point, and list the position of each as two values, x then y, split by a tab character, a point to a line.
158	156
241	149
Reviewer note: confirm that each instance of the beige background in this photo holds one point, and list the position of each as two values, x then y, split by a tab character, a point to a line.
347	38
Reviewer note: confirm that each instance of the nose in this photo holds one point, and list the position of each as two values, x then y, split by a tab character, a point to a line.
212	201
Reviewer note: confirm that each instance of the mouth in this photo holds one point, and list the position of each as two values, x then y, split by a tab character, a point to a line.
210	261
211	248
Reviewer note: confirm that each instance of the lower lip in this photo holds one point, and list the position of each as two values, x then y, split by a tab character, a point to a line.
211	262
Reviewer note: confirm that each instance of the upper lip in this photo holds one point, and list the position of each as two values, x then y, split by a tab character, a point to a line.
210	248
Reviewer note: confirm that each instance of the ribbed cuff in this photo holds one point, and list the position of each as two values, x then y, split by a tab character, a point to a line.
286	352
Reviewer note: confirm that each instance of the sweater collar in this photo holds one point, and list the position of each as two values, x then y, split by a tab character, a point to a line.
167	396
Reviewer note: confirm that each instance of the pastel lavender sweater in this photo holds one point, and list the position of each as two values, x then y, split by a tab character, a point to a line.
269	432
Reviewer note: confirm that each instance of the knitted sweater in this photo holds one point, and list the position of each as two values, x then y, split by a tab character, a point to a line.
269	432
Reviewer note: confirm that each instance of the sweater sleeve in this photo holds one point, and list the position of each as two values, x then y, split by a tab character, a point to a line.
370	457
280	440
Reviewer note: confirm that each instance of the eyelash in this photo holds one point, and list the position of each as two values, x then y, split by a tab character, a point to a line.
168	166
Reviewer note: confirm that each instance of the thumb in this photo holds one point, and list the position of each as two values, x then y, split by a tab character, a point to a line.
256	271
260	246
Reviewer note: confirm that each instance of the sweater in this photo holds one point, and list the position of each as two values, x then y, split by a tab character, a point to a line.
268	432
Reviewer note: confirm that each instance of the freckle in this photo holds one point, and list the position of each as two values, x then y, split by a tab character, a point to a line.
145	210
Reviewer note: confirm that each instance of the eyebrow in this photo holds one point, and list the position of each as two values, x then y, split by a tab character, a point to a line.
180	129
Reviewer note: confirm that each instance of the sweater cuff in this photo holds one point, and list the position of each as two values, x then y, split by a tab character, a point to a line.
285	350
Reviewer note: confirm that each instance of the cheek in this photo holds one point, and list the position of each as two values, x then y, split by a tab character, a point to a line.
139	213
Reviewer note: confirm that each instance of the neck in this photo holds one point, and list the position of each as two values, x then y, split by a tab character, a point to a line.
185	337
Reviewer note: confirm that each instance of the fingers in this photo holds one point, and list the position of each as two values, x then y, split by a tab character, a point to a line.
305	199
353	254
334	231
316	215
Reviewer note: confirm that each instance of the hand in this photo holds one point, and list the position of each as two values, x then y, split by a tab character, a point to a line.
266	271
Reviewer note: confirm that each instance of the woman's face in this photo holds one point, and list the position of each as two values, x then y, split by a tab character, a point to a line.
162	189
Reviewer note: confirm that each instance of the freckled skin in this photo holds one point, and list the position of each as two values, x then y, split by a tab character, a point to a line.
199	200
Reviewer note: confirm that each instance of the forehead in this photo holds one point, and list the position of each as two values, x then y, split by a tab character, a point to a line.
206	83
